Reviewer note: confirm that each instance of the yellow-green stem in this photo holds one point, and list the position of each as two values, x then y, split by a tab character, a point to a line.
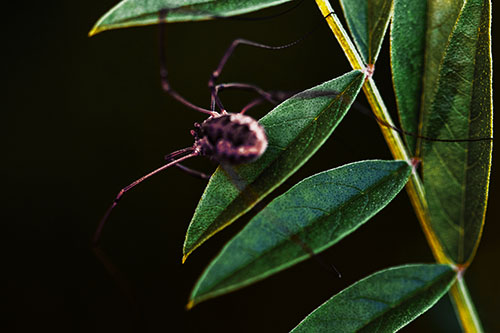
463	304
464	307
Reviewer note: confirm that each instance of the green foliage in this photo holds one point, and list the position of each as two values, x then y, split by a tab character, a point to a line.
453	72
130	13
367	20
441	67
407	61
355	193
295	131
382	302
456	175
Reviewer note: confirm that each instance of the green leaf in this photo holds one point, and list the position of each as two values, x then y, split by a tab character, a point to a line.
383	302
456	175
408	31
130	13
295	131
310	217
419	34
367	21
441	18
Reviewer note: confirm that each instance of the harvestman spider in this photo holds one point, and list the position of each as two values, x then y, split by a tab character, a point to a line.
228	138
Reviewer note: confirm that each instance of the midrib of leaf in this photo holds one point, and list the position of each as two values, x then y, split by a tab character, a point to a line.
408	299
303	230
430	78
459	222
486	9
284	241
372	26
339	98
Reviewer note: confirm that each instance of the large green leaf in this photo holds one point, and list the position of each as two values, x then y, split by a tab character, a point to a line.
419	34
441	18
130	13
408	31
382	302
367	21
310	217
295	131
456	175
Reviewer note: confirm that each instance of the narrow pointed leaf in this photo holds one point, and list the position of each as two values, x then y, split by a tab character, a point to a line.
310	217
408	31
456	175
367	21
419	35
383	302
441	18
295	130
130	13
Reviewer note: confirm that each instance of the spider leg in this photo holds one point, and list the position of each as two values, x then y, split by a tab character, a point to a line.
229	51
192	172
192	152
165	84
216	73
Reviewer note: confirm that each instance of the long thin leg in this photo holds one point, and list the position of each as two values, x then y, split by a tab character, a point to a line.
252	104
245	86
216	73
97	234
192	172
273	97
165	85
368	112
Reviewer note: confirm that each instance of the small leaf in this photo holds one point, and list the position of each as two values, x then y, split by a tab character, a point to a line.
295	130
408	31
130	13
456	174
367	21
383	302
312	216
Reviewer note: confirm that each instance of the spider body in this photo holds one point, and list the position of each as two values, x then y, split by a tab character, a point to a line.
232	138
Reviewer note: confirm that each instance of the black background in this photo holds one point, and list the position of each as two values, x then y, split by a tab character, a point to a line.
86	116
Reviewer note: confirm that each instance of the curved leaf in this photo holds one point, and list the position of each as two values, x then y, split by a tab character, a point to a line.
456	175
295	130
310	217
367	21
382	302
130	13
408	31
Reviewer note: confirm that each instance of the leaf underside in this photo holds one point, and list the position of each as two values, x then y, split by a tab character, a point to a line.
408	36
367	21
383	302
310	217
456	174
295	130
130	13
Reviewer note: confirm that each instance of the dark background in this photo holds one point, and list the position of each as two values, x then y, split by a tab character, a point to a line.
86	116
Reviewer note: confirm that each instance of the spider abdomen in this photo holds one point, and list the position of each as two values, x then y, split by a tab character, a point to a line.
231	137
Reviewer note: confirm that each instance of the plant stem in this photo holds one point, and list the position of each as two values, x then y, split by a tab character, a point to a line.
464	307
415	189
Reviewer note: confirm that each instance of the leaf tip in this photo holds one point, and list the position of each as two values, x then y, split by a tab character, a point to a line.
184	257
190	304
95	30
